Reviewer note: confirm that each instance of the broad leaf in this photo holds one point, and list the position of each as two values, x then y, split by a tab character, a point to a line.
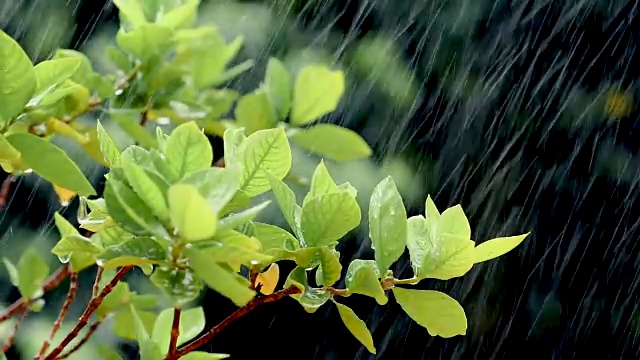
329	217
264	151
151	192
237	219
181	286
108	147
128	121
146	41
191	214
311	299
278	86
188	150
75	244
356	326
316	92
192	322
32	272
329	268
333	142
16	76
363	278
286	199
387	224
50	73
9	157
493	248
51	162
273	237
64	227
181	16
254	112
124	323
439	313
131	11
137	251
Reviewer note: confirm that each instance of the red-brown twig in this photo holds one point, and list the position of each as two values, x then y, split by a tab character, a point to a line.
96	283
52	282
7	344
93	305
206	337
73	289
5	189
82	341
175	333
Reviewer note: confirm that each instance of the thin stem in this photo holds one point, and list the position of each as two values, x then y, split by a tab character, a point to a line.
92	329
206	337
175	333
7	345
96	282
94	303
5	189
73	289
52	282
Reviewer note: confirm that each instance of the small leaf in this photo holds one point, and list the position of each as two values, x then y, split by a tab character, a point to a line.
9	157
131	11
356	326
254	112
108	147
181	286
149	350
286	199
267	280
12	270
151	192
181	16
387	224
16	76
327	218
64	227
453	222
192	322
128	121
238	219
124	323
363	278
75	243
232	140
137	251
333	142
316	92
321	183
493	248
219	279
264	151
311	299
330	266
188	150
50	162
191	215
278	86
439	313
32	272
146	41
273	237
199	355
50	73
431	211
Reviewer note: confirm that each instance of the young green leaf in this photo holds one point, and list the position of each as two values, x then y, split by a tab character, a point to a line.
146	41
493	248
219	186
149	350
192	322
236	254
137	251
191	214
16	76
109	149
311	299
333	142
181	16
356	326
14	276
105	352
128	121
152	193
217	278
181	286
235	220
431	211
199	355
453	222
387	224
273	237
439	313
286	199
232	140
363	278
131	11
255	112
321	183
278	85
9	157
51	162
32	272
188	150
124	323
330	266
316	92
80	250
419	240
264	151
64	227
327	218
121	298
50	73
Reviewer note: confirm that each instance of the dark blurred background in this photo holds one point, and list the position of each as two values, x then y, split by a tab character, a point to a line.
521	111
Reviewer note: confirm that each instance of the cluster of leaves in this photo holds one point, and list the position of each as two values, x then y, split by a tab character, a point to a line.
189	225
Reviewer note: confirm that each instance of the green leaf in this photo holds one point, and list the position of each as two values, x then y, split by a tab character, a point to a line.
273	237
278	85
188	150
453	222
120	298
330	267
71	244
286	199
124	324
131	11
51	162
181	16
109	149
232	140
420	241
146	41
199	355
149	350
316	92
333	142
191	214
356	326
493	248
181	286
107	353
16	76
235	249
192	322
264	151
137	251
439	313
64	227
148	190
431	211
238	219
128	121
9	157
321	183
219	279
327	218
311	299
32	272
219	186
14	276
51	73
363	278
254	112
387	224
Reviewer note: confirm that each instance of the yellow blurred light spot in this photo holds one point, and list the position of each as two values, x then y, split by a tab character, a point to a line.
64	195
268	279
618	104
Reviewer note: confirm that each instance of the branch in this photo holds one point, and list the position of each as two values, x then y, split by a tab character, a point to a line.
93	305
175	333
96	283
4	190
92	329
52	282
73	289
205	338
7	345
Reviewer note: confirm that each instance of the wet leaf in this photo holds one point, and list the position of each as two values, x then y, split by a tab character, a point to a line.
71	244
255	112
188	150
233	221
311	299
51	162
191	214
316	92
129	121
333	142
107	353
12	270
32	272
108	147
493	248
387	224
356	326
321	183
124	323
278	87
51	73
329	267
64	227
286	199
180	16
131	11
146	41
327	218
273	237
363	278
9	156
267	280
439	313
151	192
264	151
181	286
16	76
192	322
137	251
